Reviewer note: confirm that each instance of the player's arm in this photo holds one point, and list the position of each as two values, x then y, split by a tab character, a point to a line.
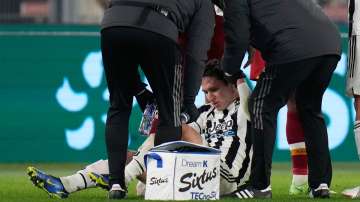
198	40
191	132
237	34
190	135
244	94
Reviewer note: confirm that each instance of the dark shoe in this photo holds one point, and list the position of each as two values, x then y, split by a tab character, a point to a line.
249	192
321	192
116	192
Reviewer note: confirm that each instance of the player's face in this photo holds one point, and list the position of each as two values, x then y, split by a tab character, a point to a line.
218	93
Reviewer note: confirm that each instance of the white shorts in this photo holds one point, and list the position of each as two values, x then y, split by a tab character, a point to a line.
240	166
353	70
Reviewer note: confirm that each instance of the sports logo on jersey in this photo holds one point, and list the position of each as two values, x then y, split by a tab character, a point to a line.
219	127
228	133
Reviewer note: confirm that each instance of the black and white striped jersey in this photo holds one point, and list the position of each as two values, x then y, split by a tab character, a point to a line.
229	131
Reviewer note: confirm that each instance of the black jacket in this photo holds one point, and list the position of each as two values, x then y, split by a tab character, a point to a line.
283	30
195	17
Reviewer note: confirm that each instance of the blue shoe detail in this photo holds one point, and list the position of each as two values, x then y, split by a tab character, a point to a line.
50	184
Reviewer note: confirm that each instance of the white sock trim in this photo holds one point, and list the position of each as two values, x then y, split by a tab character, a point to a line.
132	170
73	183
298	180
298	145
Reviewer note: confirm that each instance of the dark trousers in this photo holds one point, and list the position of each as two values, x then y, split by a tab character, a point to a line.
123	50
310	78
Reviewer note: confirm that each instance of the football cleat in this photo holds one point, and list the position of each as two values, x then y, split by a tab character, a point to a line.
100	180
50	184
116	192
353	193
249	192
298	189
322	191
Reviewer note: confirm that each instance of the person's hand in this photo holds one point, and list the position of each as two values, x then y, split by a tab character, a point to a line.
240	81
233	78
189	112
251	51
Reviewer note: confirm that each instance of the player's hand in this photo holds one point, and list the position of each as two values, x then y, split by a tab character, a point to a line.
189	112
240	81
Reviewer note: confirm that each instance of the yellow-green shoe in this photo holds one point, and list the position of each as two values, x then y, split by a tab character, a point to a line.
50	184
298	189
100	180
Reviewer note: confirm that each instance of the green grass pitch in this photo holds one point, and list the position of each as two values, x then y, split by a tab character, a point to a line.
16	187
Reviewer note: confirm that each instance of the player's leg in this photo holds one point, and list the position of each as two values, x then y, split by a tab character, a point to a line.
309	95
296	141
52	185
80	180
353	90
61	187
162	68
272	91
357	121
136	167
353	83
120	58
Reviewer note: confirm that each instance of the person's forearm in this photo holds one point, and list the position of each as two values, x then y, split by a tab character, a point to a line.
237	34
190	135
244	93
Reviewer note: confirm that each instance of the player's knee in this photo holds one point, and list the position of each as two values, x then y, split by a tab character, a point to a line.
100	166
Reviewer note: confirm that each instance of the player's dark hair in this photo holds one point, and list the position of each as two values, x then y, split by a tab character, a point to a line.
213	70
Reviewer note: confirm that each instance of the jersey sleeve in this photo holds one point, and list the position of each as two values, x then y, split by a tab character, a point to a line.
200	124
244	94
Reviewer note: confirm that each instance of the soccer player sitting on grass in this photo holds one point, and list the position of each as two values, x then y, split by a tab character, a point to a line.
223	124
